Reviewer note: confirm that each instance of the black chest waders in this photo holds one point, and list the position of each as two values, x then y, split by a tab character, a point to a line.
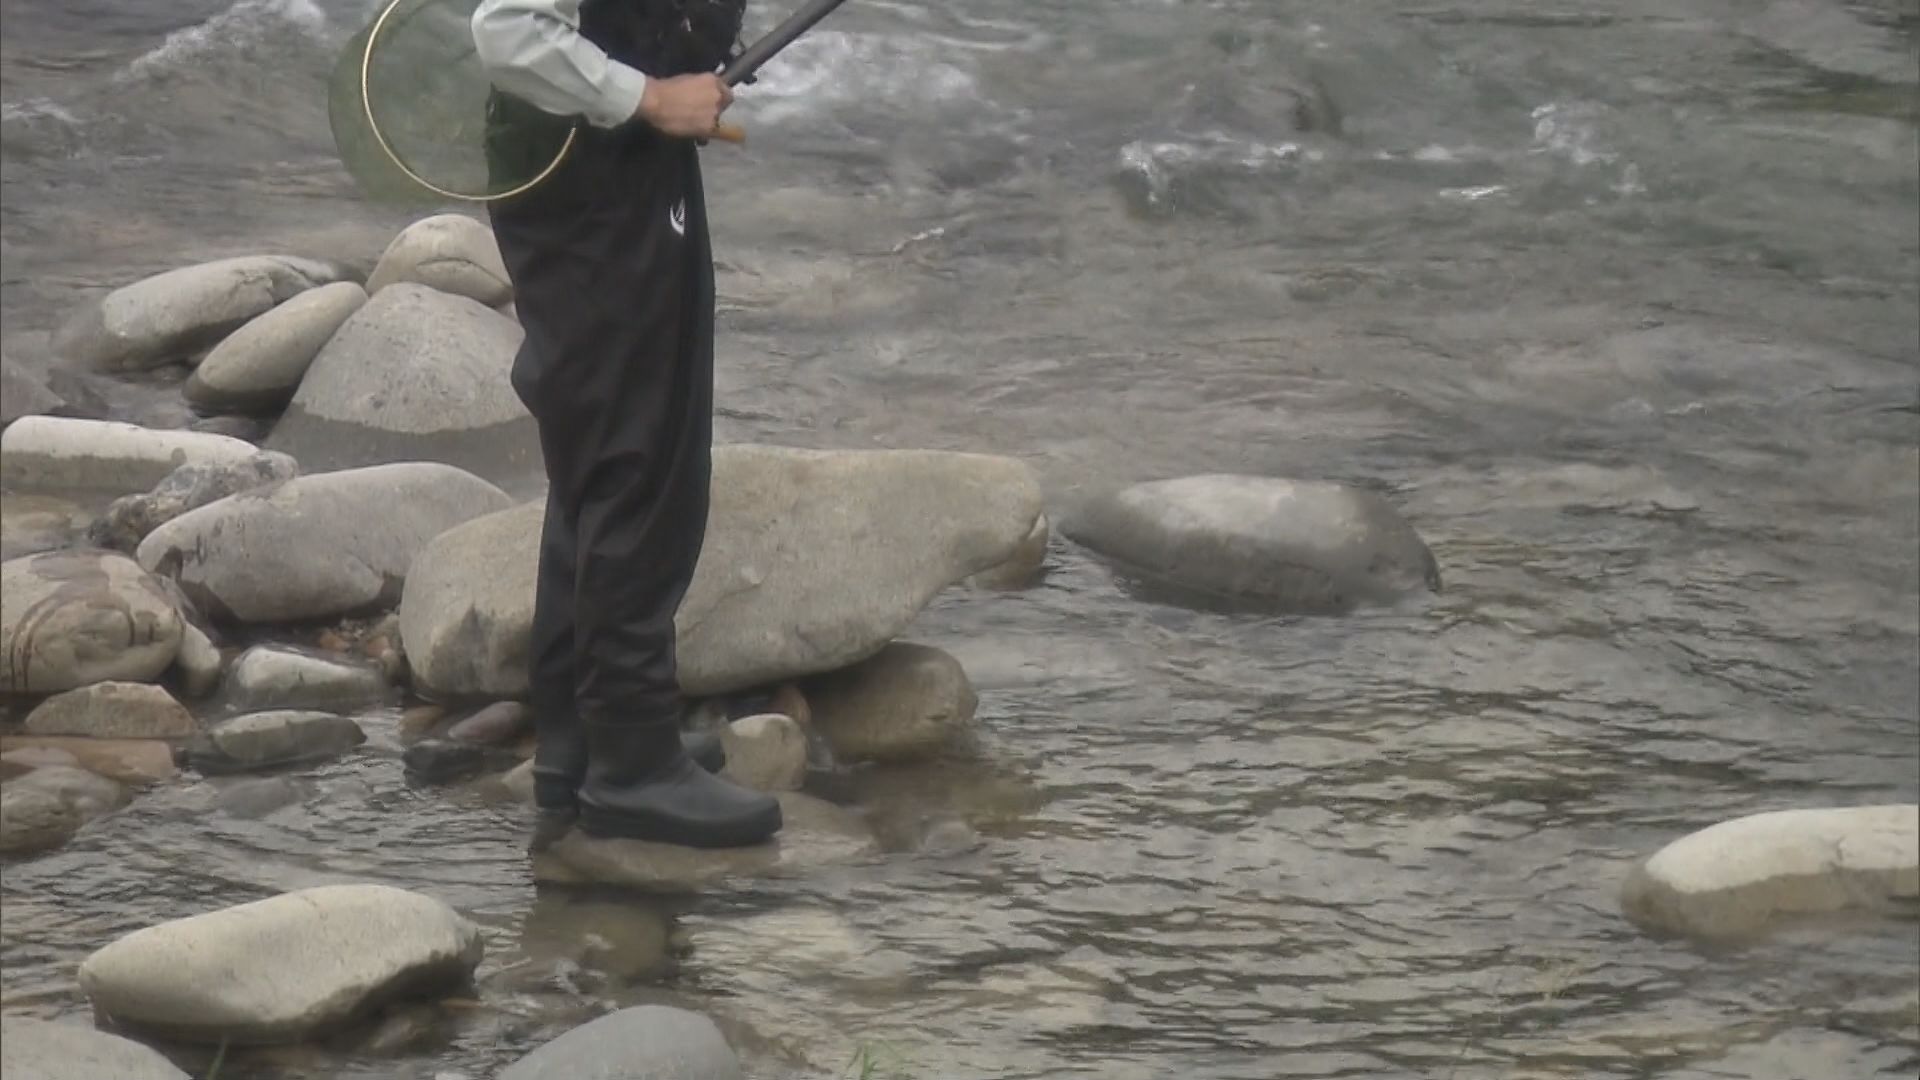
613	282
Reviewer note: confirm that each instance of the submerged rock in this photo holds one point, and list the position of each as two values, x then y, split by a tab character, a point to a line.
648	1042
113	710
172	315
906	702
56	453
1296	546
272	739
813	561
315	546
816	834
23	394
416	375
258	369
1734	878
282	969
132	517
33	1049
70	619
451	253
43	809
265	677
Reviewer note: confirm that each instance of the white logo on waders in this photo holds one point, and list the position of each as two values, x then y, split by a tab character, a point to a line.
677	217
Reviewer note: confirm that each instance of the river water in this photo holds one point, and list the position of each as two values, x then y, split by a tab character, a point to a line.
1619	302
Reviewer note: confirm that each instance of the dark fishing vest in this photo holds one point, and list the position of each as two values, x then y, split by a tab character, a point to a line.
660	38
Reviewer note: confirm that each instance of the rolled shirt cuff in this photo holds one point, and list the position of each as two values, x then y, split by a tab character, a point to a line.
619	98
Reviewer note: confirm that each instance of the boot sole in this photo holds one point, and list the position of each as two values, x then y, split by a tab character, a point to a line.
750	832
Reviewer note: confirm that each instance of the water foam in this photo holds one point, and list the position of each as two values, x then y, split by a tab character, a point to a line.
830	68
247	23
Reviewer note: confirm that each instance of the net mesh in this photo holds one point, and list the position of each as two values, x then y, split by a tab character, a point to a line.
436	129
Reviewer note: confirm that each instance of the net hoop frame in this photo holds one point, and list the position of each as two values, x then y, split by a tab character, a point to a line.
366	106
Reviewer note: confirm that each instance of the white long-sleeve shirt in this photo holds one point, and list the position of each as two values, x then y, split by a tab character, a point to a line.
534	50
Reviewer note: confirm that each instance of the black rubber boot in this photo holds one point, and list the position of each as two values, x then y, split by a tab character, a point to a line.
642	787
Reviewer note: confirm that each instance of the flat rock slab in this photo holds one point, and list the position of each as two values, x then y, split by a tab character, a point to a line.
270	740
1288	545
816	834
266	677
282	969
315	546
113	710
135	762
814	560
32	1049
1733	879
70	619
172	315
58	453
648	1042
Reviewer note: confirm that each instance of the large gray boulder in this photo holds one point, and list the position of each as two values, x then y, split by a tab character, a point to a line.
58	453
258	368
1296	546
316	546
1735	878
70	619
130	518
452	253
171	316
32	1049
416	375
282	969
814	560
648	1042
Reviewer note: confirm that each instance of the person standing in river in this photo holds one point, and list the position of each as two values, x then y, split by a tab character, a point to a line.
613	281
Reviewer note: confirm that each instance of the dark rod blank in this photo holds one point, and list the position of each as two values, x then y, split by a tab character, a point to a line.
758	53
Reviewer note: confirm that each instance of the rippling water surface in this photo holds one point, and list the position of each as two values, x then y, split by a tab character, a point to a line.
1617	301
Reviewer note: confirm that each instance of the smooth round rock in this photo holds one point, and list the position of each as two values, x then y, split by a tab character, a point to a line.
266	677
1292	546
1023	567
648	1042
200	662
58	453
113	710
259	367
282	969
70	619
32	1049
451	253
908	702
272	739
1734	878
767	752
174	314
43	809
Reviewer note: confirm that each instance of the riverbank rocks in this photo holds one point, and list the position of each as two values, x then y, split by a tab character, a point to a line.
134	762
909	701
173	315
282	969
452	253
22	393
43	809
269	740
131	518
32	1049
1295	546
57	453
647	1042
767	752
257	369
315	546
814	560
266	677
416	375
1734	878
815	834
73	618
113	710
1023	567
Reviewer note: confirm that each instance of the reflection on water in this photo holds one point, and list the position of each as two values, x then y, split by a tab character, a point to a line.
1619	306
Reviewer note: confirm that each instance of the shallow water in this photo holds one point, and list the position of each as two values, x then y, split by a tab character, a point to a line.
1619	303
